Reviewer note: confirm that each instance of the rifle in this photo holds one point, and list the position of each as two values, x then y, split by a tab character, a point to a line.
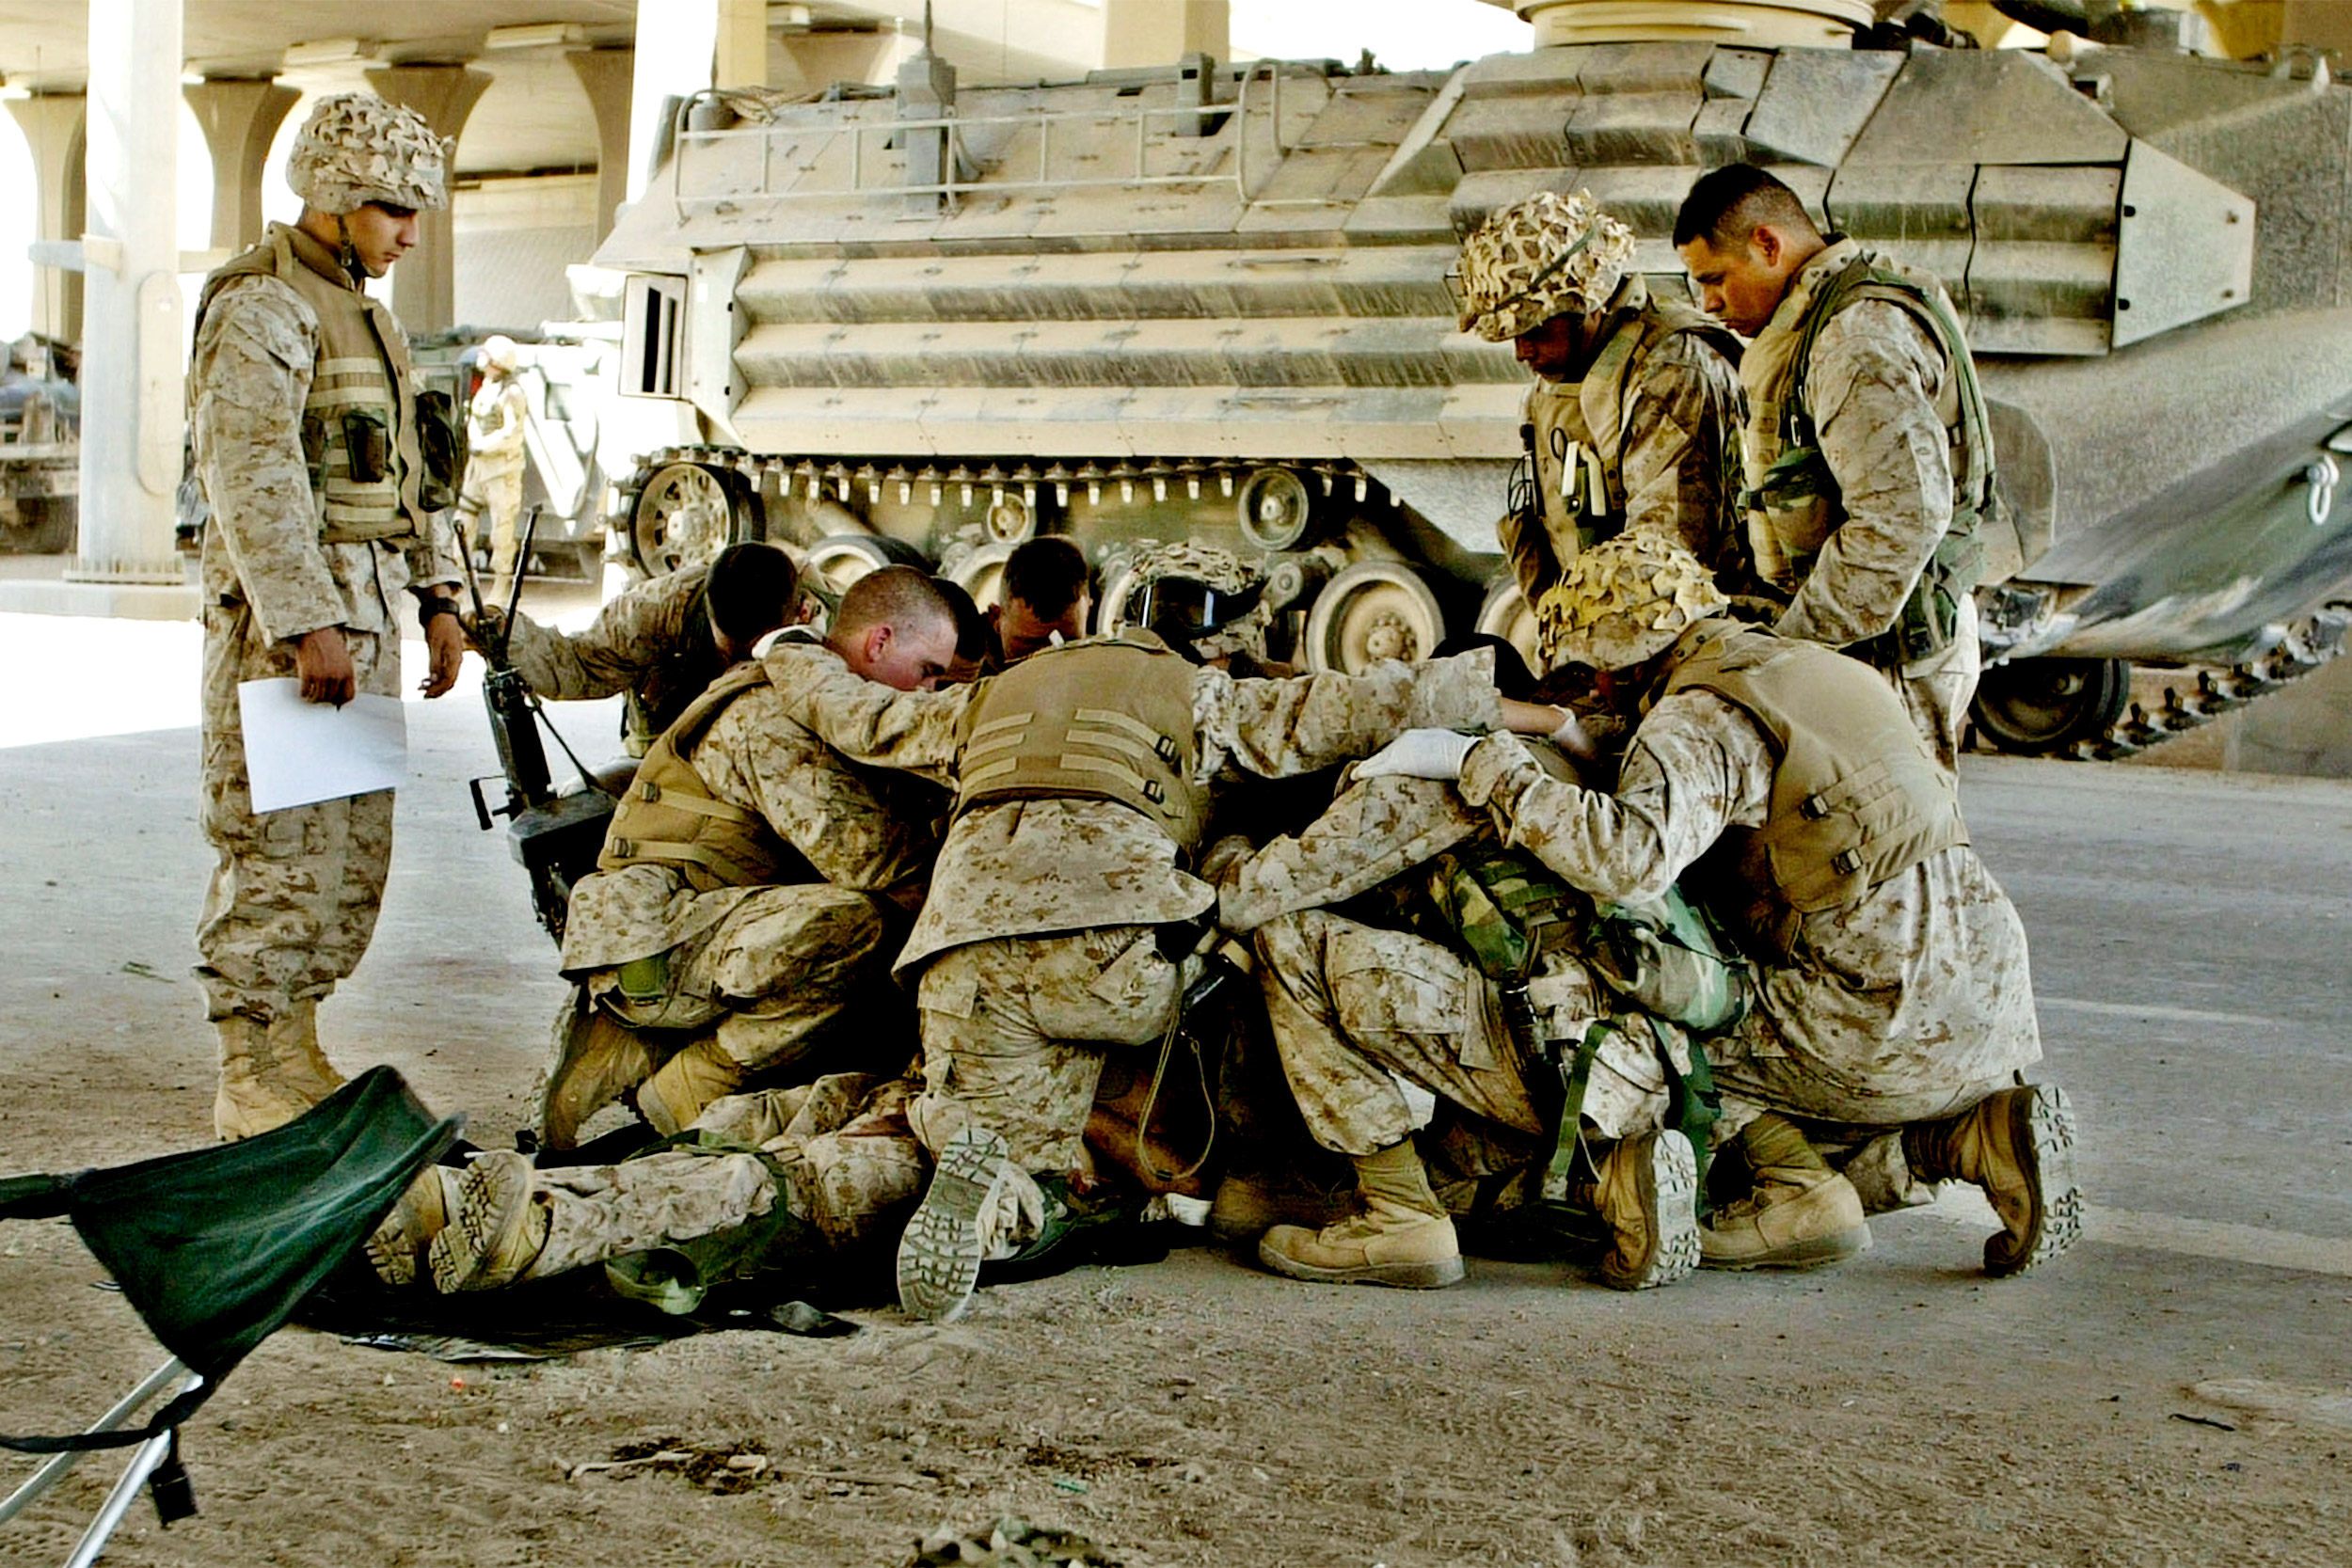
554	837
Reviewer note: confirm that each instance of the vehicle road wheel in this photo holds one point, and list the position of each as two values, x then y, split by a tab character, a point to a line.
2034	706
839	559
687	513
1507	614
1372	611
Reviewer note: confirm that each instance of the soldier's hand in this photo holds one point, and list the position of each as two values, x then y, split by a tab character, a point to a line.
486	627
323	659
1224	858
1420	754
445	648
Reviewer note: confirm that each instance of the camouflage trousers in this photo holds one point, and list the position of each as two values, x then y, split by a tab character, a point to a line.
838	1153
295	893
1015	1028
499	494
778	977
1936	692
1356	1009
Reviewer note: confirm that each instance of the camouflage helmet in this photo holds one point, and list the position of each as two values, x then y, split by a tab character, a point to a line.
1541	258
357	148
497	352
1624	600
1224	573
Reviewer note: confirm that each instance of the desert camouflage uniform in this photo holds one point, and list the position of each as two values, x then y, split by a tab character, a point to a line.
1668	449
1915	1001
1040	941
494	466
774	967
295	896
1355	1007
653	642
1871	386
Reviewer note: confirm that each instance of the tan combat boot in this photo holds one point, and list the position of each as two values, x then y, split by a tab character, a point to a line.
1801	1215
396	1248
1400	1234
1646	1192
2018	1144
495	1229
947	1238
597	1059
683	1086
1249	1203
264	1080
295	1037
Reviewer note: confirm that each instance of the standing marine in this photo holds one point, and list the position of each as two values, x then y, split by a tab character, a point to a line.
1633	420
495	421
1869	455
327	476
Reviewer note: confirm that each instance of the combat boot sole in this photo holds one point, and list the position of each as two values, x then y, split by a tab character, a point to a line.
496	1232
940	1253
1667	1184
2041	1134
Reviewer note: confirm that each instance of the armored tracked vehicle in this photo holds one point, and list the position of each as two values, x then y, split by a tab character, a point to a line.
1211	301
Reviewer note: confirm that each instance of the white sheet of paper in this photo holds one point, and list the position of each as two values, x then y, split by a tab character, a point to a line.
296	753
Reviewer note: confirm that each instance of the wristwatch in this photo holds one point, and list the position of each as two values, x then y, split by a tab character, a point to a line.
430	605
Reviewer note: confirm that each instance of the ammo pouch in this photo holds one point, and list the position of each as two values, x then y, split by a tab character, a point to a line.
368	445
1666	958
441	442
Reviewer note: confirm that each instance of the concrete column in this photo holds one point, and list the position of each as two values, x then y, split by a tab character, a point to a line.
133	385
675	43
425	296
1161	32
240	120
52	127
739	46
604	74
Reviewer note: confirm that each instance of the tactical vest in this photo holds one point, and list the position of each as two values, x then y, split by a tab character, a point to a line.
1857	798
1791	497
1106	718
669	817
362	433
1575	431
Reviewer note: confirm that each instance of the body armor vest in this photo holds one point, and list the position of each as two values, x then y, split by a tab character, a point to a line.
363	435
1108	718
1856	799
1792	499
1575	431
668	816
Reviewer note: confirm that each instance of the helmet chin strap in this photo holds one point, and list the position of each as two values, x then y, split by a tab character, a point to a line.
347	254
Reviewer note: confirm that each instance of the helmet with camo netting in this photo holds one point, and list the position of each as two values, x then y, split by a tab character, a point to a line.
357	148
1624	600
1216	598
1544	257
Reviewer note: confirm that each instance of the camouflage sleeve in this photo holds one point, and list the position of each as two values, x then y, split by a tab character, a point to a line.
864	720
612	652
1871	385
1378	829
1683	410
251	374
432	556
1275	728
811	800
1697	766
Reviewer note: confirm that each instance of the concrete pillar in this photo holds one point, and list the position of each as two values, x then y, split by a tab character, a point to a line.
132	414
739	48
240	119
425	296
52	127
604	74
676	44
1161	32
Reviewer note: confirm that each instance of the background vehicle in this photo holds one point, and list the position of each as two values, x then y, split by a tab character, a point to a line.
41	454
1209	301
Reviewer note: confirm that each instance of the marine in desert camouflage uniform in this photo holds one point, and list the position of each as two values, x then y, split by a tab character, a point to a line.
325	483
1045	939
753	885
495	421
661	643
1893	1007
1633	420
1868	455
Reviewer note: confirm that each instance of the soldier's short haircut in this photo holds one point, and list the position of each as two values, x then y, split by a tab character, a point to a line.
971	626
1730	203
901	597
1047	574
751	591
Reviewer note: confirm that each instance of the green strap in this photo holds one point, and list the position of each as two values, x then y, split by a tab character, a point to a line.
1569	1140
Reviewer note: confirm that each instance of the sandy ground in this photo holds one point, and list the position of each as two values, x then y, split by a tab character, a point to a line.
1900	1409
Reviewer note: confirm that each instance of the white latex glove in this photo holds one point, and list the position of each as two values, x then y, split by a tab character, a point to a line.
1572	738
1420	754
